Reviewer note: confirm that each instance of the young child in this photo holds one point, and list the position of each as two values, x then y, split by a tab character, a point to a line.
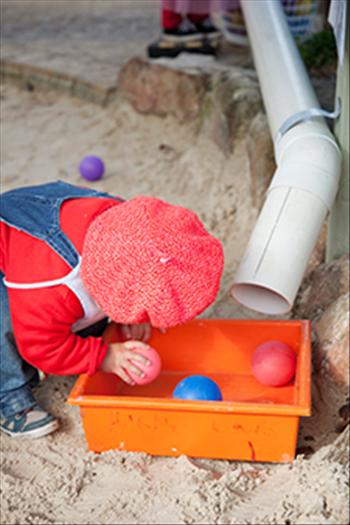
71	258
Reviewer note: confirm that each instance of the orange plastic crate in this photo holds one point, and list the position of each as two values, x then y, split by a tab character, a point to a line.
253	422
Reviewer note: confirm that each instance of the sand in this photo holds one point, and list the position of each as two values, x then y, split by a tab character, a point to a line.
55	479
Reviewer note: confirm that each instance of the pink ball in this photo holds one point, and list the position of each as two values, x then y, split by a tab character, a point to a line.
152	371
274	363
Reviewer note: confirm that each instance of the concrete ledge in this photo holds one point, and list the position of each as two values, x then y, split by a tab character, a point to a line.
33	77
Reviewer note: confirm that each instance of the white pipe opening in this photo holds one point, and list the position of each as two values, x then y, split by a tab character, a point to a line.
308	160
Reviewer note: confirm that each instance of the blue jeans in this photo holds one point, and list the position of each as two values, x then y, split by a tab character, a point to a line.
16	376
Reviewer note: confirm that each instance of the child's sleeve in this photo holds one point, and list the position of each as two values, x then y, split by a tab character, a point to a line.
44	337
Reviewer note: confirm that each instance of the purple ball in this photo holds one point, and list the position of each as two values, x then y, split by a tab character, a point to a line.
91	168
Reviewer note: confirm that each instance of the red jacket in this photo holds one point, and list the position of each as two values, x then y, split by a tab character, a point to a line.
42	318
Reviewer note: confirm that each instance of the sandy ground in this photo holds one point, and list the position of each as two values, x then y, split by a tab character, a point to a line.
44	136
55	480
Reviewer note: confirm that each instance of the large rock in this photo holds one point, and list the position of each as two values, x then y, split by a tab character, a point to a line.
331	349
231	103
224	101
159	90
324	299
339	451
324	286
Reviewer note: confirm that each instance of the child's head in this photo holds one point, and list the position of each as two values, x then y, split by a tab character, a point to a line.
148	261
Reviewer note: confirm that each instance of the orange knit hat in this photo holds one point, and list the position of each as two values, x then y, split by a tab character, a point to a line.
148	261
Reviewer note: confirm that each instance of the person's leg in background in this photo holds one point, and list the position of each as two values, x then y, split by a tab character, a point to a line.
186	19
199	13
20	415
175	25
186	26
169	19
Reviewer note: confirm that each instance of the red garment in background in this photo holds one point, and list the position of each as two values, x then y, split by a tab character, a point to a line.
171	20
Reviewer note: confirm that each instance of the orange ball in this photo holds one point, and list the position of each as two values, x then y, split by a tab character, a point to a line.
274	363
152	371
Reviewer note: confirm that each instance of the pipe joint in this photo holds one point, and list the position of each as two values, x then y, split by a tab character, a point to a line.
310	162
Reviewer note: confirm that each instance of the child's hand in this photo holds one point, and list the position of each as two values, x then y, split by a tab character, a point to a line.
139	332
118	360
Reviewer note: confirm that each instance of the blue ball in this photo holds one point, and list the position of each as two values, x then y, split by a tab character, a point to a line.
91	168
198	387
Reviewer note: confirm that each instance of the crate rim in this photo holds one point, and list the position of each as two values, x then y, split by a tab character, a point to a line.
302	407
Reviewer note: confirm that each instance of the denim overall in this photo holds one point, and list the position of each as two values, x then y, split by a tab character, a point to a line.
36	210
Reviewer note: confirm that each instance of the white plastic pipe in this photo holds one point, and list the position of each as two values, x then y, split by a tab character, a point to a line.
308	161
